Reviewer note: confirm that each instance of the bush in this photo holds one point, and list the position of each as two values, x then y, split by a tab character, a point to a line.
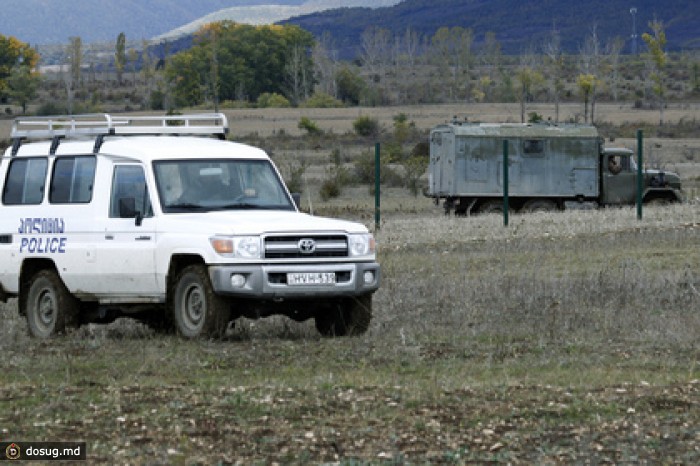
534	117
329	189
322	100
50	108
310	126
272	100
295	177
365	171
366	126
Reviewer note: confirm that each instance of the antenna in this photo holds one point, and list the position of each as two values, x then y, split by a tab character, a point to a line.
633	37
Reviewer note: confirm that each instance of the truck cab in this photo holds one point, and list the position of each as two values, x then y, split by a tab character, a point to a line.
619	180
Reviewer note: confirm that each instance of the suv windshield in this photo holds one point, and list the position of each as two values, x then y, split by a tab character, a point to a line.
205	185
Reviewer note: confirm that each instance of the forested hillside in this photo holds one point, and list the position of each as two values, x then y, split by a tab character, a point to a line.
518	24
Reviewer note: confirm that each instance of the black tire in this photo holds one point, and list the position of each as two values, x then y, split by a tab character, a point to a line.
491	207
540	205
348	317
197	311
657	201
50	308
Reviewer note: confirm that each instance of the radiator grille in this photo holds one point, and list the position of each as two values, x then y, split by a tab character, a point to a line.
305	246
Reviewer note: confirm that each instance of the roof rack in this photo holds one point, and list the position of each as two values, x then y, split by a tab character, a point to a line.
67	126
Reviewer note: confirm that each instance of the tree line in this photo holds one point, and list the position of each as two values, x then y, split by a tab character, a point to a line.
236	64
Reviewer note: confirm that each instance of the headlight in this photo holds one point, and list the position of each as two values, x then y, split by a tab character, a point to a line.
241	247
361	245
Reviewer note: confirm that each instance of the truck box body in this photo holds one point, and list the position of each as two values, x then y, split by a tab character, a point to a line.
466	160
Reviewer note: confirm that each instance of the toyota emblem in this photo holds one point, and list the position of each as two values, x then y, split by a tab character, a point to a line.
307	246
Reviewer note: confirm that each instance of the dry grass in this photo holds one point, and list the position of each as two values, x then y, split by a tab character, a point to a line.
564	338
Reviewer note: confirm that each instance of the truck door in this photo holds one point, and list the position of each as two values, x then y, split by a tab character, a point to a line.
619	180
442	162
127	255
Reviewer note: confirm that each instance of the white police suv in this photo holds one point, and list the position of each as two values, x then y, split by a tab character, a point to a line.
162	219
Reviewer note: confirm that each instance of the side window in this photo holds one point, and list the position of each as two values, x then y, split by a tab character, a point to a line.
26	179
129	193
72	180
533	147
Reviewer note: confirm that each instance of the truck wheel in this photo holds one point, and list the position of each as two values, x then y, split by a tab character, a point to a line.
540	205
196	309
349	317
50	307
491	207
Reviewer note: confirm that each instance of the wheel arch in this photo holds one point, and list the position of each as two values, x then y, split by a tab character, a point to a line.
179	262
31	267
666	195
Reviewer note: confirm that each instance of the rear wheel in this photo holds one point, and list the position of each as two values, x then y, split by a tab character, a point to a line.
196	309
50	308
348	317
540	205
491	207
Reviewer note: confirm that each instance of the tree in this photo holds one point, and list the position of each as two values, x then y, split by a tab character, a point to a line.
23	84
14	54
120	56
555	60
325	59
529	80
613	50
236	61
350	85
656	43
75	59
586	84
590	64
452	48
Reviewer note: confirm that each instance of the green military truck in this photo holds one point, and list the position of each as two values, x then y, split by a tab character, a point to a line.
550	167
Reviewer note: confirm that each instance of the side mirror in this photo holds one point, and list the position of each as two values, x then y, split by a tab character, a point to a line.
296	197
127	209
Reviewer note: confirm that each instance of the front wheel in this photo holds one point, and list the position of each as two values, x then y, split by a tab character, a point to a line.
50	308
196	309
348	317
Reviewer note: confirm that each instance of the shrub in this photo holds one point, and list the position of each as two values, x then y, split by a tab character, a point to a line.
366	126
50	108
534	117
272	100
310	126
322	100
330	188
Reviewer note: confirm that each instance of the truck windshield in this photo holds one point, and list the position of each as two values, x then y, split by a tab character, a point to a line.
215	184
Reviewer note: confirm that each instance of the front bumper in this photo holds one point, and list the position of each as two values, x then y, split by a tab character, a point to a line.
270	281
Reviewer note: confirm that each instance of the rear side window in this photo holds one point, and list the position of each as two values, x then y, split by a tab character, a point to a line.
26	179
72	180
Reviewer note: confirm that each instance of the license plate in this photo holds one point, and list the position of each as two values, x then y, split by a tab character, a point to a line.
311	278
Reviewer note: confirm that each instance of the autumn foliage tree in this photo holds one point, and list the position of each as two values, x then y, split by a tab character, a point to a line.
656	43
16	59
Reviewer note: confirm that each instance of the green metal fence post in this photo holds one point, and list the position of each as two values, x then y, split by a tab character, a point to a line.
505	182
377	184
640	171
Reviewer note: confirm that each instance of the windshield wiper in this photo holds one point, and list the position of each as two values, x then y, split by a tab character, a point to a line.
187	206
249	206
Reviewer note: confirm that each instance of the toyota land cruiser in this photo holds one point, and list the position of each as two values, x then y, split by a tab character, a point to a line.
163	219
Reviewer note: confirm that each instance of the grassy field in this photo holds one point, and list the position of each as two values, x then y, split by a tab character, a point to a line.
564	338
